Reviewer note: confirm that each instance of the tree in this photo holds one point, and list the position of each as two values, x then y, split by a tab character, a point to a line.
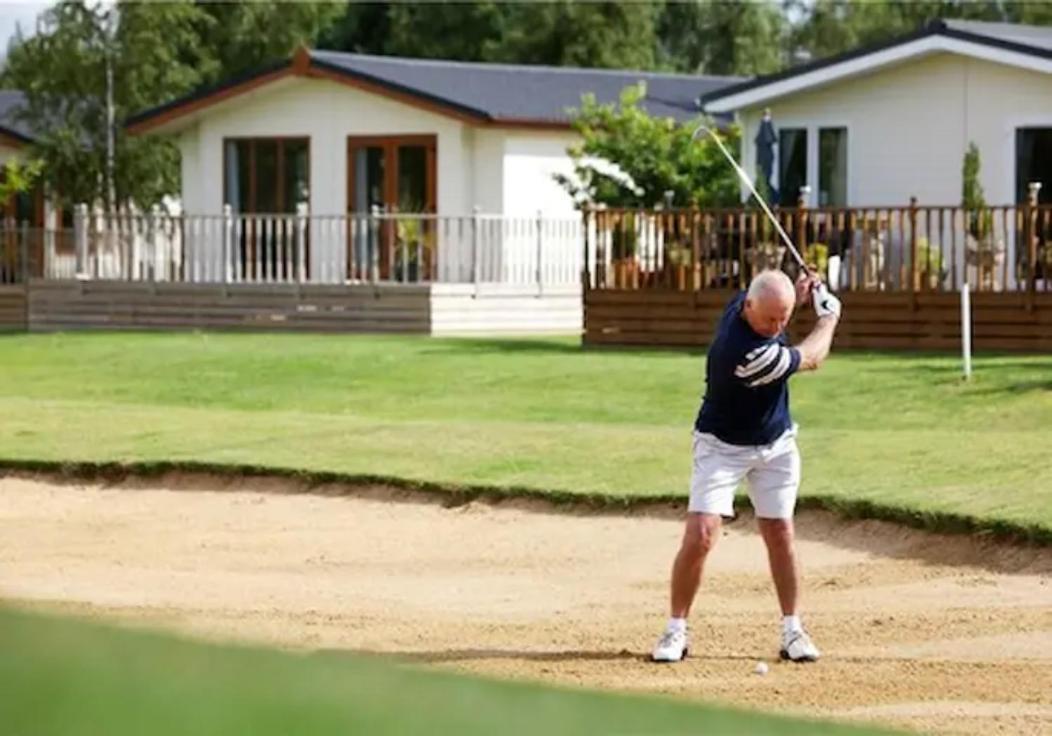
443	30
601	34
631	159
151	54
835	26
972	198
720	37
246	36
363	28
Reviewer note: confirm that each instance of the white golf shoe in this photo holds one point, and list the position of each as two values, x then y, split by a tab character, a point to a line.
671	647
798	647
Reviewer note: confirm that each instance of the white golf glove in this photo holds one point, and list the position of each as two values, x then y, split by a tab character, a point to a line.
825	303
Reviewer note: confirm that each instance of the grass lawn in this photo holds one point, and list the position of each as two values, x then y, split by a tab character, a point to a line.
896	430
65	678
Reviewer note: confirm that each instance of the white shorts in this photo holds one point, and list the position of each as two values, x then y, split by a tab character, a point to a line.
773	472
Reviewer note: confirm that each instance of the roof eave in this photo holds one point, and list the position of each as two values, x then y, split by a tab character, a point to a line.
932	40
11	137
302	64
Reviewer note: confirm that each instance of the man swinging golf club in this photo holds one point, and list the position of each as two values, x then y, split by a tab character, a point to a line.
743	431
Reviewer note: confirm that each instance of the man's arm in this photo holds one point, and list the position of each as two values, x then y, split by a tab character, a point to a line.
814	348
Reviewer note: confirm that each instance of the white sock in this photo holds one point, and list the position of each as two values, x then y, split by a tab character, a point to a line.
791	625
677	624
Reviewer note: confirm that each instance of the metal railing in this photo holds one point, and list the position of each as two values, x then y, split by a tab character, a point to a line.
299	248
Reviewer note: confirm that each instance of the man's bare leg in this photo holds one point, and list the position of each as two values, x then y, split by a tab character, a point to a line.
699	537
778	536
781	553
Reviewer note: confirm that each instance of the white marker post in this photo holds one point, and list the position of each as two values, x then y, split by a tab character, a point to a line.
966	330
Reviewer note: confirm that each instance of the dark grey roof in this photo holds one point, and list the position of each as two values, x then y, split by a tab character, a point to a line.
1032	40
10	102
1038	37
497	93
523	93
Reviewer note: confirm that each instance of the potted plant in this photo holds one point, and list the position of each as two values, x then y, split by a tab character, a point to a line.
409	245
766	254
816	255
929	265
624	241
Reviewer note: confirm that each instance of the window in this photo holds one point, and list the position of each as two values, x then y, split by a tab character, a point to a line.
1033	162
792	164
391	173
266	175
832	167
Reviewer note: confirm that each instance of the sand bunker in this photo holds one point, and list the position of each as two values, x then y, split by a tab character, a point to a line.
944	634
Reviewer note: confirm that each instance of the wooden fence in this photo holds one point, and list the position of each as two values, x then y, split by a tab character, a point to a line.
663	277
12	307
872	320
437	309
909	248
115	305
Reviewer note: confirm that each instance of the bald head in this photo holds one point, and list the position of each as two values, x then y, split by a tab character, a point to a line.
769	303
772	285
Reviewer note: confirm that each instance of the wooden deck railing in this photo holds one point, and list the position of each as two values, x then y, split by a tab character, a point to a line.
909	248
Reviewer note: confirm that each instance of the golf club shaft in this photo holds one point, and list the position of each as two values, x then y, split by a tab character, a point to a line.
745	178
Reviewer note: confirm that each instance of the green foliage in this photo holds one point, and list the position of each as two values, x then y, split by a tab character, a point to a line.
835	26
62	71
721	37
443	30
601	34
651	155
19	176
245	36
562	33
979	218
817	256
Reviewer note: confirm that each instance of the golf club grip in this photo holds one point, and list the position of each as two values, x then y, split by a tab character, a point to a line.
745	178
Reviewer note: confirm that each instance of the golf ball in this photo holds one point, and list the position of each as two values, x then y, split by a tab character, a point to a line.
761	668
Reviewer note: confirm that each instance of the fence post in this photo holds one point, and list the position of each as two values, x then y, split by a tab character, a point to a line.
23	252
540	252
1030	210
301	242
586	264
913	254
475	222
80	239
228	243
801	220
374	246
150	263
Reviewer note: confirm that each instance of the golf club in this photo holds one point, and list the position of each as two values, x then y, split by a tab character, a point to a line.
745	178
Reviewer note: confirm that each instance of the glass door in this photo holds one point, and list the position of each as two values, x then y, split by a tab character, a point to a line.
395	175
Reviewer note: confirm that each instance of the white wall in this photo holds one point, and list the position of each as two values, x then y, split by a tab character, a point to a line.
909	126
193	188
327	113
499	170
487	151
502	171
531	158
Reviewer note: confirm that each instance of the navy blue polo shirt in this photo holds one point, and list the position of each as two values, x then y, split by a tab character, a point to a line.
746	382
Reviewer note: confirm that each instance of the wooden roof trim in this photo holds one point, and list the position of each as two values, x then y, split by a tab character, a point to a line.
193	105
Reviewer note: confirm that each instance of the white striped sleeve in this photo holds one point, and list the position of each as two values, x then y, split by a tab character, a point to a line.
768	364
757	360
